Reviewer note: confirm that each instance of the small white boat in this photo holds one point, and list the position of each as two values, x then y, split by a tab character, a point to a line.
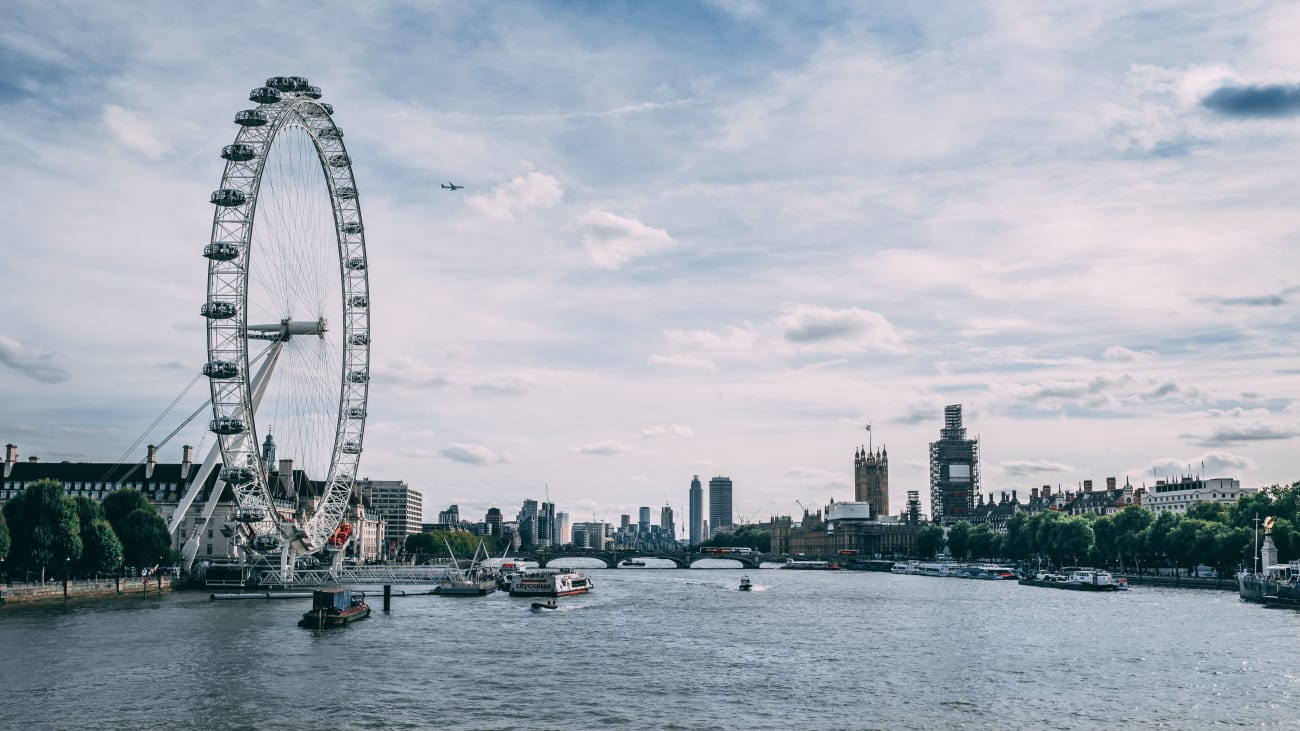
745	585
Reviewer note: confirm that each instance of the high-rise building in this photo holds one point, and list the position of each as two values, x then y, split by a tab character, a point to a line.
697	512
643	520
954	470
624	521
871	479
913	514
666	522
564	535
493	520
546	525
528	523
719	503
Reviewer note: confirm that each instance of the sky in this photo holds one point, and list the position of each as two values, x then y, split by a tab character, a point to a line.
695	238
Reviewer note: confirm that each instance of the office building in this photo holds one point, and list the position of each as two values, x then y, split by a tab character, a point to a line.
720	504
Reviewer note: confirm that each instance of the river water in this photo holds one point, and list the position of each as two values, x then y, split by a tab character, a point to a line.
666	649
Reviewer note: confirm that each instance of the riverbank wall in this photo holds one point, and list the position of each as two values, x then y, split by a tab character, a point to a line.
57	591
1180	582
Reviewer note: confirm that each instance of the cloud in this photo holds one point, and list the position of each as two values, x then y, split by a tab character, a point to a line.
133	131
1255	102
523	193
684	361
659	430
1237	413
612	241
1262	300
1035	467
1209	464
504	386
1120	354
1233	434
38	366
475	454
838	330
602	449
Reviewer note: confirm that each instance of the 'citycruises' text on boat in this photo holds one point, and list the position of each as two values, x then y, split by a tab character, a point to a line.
549	582
334	608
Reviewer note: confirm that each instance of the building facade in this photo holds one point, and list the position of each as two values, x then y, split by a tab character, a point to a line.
720	520
1177	496
954	471
401	508
697	512
871	479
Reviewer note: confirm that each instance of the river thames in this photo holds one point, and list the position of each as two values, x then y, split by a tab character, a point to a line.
667	649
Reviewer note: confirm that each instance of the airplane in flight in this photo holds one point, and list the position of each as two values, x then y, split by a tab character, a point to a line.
451	186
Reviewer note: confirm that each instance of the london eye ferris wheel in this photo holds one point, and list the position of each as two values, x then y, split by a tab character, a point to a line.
288	321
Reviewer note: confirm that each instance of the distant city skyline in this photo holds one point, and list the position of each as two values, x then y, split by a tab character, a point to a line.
722	238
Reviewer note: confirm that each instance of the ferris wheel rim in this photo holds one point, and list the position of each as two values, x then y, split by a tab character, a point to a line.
284	103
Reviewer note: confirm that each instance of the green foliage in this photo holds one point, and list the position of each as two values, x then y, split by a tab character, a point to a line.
144	537
750	536
1208	511
1019	538
929	541
959	539
120	503
4	537
463	544
1071	540
101	552
984	543
45	532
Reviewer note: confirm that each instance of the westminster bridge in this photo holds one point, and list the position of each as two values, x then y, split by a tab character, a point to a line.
617	559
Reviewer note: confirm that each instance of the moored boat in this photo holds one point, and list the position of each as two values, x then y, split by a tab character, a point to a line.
1277	584
811	565
334	608
549	582
1079	579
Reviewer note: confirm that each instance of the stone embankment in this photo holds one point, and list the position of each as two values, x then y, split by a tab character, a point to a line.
78	589
1180	582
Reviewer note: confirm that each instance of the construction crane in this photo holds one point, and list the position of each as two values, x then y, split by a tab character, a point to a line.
805	508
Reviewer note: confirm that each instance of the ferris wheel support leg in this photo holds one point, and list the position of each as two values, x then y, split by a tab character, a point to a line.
286	563
191	547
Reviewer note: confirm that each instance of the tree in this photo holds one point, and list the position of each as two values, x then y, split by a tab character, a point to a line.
1208	511
101	549
750	536
120	503
144	537
1071	538
46	531
984	543
4	537
1105	540
1019	538
929	541
1129	524
1160	535
959	539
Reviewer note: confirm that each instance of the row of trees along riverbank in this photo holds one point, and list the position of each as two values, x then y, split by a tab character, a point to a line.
1134	539
45	533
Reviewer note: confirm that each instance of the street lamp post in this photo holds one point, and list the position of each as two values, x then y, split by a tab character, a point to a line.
67	567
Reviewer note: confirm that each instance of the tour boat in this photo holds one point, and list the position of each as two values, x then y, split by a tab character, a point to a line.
333	608
549	582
